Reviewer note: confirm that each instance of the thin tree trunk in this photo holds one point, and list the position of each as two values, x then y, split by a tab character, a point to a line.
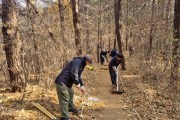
99	32
151	35
109	31
13	45
61	14
175	61
74	4
176	41
118	15
88	47
168	4
127	25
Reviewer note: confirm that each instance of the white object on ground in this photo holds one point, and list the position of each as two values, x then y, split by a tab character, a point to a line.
92	99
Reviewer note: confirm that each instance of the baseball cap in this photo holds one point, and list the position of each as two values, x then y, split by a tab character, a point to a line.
88	58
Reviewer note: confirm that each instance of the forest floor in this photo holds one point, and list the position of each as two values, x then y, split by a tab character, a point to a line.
135	104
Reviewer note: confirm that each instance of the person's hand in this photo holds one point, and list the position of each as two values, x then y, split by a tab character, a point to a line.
82	89
123	68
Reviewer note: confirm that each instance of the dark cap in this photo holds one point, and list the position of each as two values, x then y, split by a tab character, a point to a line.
88	58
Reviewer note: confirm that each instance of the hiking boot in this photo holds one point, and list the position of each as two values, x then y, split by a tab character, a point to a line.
64	119
74	110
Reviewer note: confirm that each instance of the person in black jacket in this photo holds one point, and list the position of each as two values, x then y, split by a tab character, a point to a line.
113	53
71	74
103	56
113	64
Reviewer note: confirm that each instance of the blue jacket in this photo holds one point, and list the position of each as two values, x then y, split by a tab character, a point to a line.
114	52
114	62
72	72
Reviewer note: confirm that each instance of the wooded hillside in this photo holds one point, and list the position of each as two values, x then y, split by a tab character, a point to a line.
39	37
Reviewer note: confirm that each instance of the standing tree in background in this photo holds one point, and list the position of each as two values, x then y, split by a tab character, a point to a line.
61	13
118	15
74	5
175	59
99	31
152	27
88	47
118	26
12	44
176	42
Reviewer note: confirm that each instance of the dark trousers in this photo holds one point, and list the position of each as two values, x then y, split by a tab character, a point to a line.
113	76
102	60
65	96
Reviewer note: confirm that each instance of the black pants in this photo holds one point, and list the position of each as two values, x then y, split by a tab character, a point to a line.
113	76
102	60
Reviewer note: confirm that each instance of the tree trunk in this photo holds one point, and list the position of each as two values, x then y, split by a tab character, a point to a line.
117	12
175	61
109	31
118	15
13	44
127	24
151	34
176	41
88	47
166	46
61	14
74	4
99	32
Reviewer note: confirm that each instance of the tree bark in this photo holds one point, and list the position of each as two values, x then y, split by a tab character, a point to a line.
152	26
61	14
175	61
12	45
99	32
88	47
127	25
118	15
74	5
176	42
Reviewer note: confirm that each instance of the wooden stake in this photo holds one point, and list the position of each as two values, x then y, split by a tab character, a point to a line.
42	109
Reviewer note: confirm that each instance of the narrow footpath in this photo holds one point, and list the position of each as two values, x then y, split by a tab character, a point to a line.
114	102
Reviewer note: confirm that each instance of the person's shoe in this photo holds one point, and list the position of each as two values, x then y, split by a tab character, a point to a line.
74	111
114	85
64	119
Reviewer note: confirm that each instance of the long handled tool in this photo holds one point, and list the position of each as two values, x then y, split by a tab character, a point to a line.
117	91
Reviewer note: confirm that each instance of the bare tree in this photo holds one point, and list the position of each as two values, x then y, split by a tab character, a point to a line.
152	27
176	42
74	4
118	15
61	13
12	44
99	31
88	47
175	58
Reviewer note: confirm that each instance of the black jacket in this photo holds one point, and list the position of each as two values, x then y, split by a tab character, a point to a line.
114	62
72	72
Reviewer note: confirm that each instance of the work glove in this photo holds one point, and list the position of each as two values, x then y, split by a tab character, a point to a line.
91	68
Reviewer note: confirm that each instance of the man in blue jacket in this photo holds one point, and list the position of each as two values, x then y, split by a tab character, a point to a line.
113	64
71	74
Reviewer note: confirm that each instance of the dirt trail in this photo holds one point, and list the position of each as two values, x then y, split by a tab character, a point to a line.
114	102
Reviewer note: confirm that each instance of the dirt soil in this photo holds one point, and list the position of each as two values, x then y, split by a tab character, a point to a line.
115	104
